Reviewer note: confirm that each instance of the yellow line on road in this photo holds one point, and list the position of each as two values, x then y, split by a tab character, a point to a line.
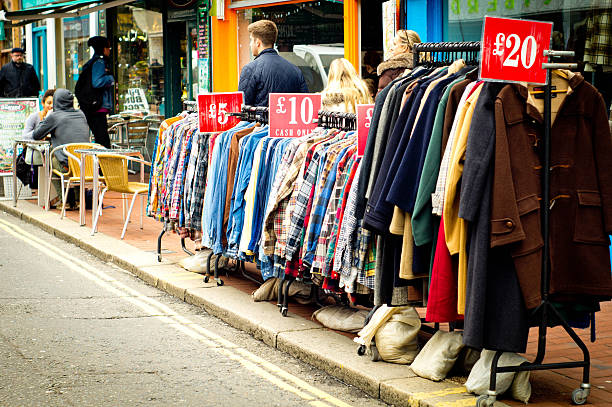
250	361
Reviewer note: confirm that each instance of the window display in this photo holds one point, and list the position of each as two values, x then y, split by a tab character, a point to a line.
310	35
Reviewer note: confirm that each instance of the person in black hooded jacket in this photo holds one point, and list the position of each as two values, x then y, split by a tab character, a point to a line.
17	78
269	72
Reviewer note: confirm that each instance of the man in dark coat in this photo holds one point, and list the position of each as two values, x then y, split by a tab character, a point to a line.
17	78
269	72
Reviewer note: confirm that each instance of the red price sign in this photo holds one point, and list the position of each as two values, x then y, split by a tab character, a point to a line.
212	109
364	120
513	50
293	114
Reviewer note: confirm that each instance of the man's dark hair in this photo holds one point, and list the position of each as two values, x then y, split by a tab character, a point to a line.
265	31
98	43
48	93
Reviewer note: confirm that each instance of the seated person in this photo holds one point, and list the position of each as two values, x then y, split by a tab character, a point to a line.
65	125
36	117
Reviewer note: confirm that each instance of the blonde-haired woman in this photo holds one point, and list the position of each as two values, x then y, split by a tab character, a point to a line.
401	57
345	89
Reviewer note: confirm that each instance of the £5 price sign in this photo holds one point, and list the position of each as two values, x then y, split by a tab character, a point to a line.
513	50
293	114
364	121
213	109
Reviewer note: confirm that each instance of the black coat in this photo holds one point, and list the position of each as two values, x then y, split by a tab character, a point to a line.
18	81
269	73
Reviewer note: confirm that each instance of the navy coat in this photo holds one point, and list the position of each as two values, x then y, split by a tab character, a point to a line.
269	73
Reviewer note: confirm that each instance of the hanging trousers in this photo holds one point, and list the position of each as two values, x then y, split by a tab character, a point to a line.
99	127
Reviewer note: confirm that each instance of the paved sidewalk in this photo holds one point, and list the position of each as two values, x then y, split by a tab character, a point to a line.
334	352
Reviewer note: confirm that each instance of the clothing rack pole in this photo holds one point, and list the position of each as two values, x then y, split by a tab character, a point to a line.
159	243
546	308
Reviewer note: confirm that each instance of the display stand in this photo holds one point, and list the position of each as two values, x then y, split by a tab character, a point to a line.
548	311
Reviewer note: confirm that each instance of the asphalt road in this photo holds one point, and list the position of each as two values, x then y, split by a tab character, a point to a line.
75	331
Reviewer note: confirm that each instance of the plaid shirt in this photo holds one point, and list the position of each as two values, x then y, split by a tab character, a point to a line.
197	199
190	178
275	223
338	218
598	45
347	230
302	195
179	172
320	243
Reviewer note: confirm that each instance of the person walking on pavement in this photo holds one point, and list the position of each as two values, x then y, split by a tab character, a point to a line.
18	78
98	68
269	72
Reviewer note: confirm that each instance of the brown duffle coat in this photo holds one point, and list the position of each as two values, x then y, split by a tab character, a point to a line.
580	192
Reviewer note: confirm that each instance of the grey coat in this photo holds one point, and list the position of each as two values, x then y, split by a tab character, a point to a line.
65	124
495	317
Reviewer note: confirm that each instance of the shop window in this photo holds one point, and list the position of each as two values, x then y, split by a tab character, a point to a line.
140	56
76	51
310	35
582	26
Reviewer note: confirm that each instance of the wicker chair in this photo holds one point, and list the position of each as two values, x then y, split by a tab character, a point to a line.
115	170
73	176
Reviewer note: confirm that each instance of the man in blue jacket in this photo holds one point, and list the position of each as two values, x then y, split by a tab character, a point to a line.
269	72
102	79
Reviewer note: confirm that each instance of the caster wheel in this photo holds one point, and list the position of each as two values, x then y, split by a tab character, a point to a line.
361	350
374	356
159	258
579	396
485	401
284	311
206	279
220	283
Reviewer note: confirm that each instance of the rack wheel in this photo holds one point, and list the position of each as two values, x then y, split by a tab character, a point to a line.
374	356
579	396
159	258
220	283
485	401
206	279
361	350
284	311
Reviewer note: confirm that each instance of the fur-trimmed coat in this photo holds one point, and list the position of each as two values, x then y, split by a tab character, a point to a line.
392	68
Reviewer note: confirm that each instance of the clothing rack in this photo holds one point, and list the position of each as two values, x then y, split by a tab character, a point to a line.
444	53
337	120
190	106
259	114
546	308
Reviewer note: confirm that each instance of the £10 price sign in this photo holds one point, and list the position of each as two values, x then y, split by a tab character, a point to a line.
213	109
513	50
364	121
293	114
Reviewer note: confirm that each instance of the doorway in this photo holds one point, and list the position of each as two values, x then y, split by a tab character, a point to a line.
39	55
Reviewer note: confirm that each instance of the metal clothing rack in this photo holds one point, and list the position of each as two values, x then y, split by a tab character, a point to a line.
548	311
259	114
434	54
337	120
190	106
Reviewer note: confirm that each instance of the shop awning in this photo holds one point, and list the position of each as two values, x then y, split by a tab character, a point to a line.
58	9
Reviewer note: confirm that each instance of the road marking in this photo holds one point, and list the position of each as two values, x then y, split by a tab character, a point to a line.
416	398
266	370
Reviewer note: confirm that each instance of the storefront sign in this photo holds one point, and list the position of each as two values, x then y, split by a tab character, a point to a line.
213	109
13	114
135	100
364	120
471	10
513	50
293	114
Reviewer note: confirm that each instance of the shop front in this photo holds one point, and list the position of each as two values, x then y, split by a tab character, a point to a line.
311	35
580	26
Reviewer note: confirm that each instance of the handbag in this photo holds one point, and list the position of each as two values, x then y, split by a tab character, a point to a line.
33	155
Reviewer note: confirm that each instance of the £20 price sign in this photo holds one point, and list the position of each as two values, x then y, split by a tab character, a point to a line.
213	109
364	121
293	114
513	50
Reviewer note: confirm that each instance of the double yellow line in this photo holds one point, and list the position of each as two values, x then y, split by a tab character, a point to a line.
261	367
